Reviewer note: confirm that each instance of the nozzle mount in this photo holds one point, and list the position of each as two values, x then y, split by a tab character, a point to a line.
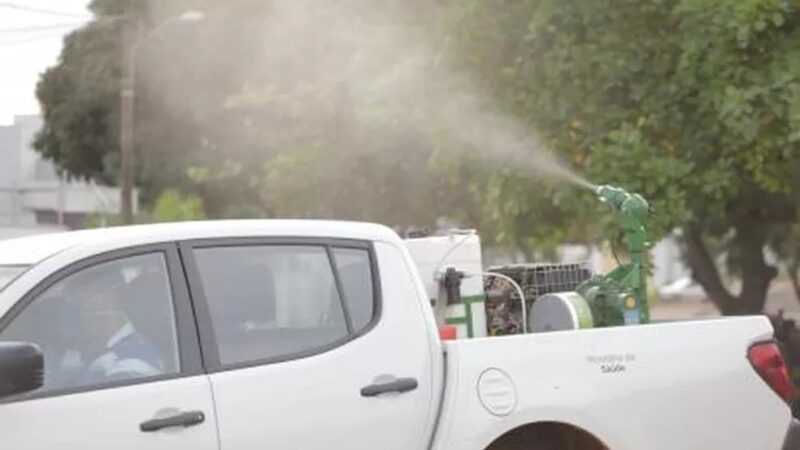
626	283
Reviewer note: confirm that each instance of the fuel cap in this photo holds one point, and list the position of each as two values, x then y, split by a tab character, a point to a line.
496	392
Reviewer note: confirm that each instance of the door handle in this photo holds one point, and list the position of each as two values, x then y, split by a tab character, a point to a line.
399	385
186	419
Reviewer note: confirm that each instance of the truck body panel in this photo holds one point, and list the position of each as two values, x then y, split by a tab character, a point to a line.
682	385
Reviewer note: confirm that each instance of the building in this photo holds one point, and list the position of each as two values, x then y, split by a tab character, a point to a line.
33	197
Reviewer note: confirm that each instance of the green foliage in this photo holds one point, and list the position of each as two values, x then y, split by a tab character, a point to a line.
101	220
627	159
173	206
78	100
170	206
698	87
693	103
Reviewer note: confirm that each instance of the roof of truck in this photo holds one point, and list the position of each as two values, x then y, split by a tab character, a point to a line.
32	249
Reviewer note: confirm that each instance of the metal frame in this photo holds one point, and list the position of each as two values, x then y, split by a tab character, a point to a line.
186	334
208	342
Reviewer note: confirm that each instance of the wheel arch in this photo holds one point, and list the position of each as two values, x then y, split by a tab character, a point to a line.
549	435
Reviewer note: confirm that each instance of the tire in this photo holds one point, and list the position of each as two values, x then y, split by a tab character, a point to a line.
540	438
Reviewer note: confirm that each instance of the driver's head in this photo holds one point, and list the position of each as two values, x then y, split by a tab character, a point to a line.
96	292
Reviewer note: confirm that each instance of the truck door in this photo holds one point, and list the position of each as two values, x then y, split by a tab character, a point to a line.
121	359
312	344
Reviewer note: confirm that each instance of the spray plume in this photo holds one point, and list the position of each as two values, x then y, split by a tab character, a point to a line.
324	63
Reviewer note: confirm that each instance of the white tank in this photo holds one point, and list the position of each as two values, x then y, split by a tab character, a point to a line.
460	250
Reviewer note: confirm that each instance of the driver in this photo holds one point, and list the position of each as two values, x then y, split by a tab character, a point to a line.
114	349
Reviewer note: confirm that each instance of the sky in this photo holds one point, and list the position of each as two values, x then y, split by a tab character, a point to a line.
30	42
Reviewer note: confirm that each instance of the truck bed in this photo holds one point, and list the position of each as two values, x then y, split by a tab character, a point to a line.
668	386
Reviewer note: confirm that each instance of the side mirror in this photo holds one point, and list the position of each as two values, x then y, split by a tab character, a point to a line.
21	368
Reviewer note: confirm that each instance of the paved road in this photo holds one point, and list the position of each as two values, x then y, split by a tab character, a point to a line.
696	305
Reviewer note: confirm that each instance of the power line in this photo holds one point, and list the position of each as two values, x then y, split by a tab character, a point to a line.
30	39
40	27
32	9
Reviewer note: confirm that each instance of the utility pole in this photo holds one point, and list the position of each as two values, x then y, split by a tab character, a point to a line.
60	201
126	114
130	44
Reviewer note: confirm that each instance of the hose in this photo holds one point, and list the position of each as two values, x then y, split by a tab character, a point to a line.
450	251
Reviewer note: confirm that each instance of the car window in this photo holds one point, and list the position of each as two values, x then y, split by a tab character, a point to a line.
356	275
110	322
271	301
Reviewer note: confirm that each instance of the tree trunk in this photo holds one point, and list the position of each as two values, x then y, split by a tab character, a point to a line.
705	271
792	268
756	273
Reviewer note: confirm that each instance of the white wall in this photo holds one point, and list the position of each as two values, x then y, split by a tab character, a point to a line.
28	183
74	197
28	126
668	261
9	156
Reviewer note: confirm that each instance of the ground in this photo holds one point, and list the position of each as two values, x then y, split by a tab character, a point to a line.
694	304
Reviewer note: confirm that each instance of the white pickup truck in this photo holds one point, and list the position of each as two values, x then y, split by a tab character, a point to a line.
319	335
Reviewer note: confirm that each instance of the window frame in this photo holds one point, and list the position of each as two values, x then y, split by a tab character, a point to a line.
208	341
189	355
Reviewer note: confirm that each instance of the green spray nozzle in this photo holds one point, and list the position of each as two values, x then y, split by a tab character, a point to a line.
630	206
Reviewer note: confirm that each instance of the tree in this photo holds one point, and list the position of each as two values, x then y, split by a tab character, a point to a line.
78	98
180	121
693	103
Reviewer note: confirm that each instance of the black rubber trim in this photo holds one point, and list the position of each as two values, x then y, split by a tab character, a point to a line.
340	290
188	342
205	328
204	348
792	440
440	404
208	343
188	349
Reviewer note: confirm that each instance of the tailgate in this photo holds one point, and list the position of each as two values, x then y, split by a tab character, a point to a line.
672	386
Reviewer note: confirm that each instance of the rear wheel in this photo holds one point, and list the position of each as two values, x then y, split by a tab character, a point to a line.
547	436
533	438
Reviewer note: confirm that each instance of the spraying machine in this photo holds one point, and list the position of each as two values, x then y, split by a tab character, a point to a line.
616	298
546	297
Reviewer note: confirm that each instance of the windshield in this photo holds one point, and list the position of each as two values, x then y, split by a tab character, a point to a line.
8	273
